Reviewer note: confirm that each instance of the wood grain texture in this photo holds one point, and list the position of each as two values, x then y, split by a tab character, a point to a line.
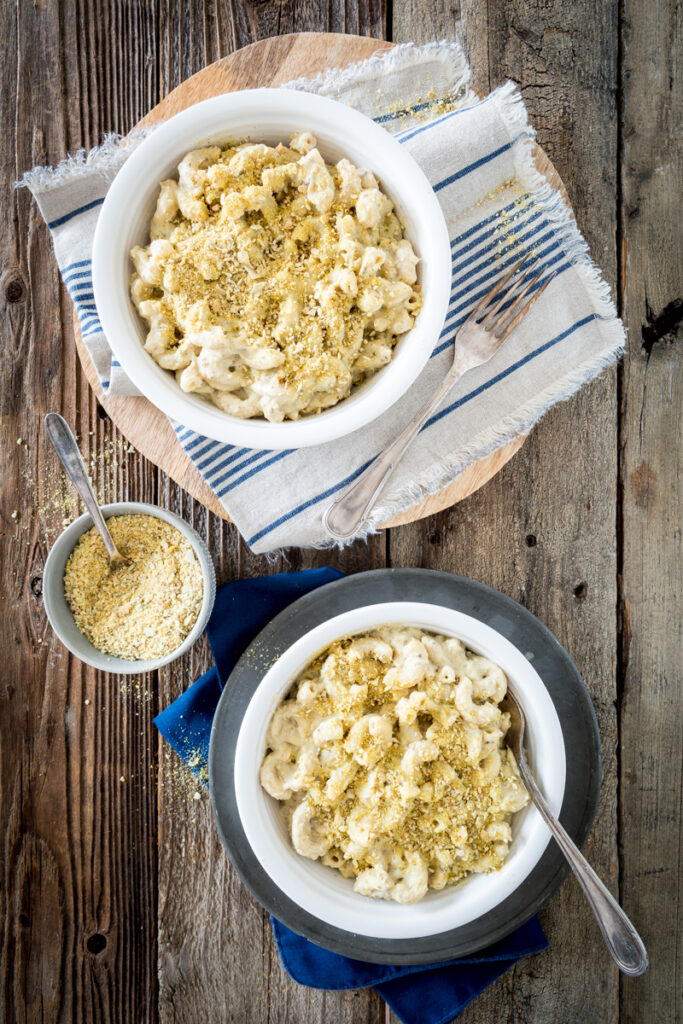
84	855
543	530
78	851
651	478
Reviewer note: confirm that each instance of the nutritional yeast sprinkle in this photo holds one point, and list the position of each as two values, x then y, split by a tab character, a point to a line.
141	610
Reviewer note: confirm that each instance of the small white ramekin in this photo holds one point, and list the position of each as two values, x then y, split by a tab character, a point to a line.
270	116
59	613
322	891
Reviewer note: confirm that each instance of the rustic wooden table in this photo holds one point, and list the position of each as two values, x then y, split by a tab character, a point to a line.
118	902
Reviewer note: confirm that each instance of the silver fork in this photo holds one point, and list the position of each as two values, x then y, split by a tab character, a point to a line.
477	340
623	941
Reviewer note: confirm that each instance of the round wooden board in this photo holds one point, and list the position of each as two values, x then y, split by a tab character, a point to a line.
270	62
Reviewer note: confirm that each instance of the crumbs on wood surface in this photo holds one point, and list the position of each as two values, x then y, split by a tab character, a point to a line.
136	689
56	504
182	783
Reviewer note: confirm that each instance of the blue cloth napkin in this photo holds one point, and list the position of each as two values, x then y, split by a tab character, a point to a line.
427	994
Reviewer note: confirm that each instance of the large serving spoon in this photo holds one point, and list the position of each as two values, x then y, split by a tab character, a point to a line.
64	443
623	941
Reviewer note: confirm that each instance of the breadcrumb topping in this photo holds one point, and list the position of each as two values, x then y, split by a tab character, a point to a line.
142	610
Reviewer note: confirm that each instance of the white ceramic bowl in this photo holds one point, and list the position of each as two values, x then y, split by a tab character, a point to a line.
270	116
322	891
59	613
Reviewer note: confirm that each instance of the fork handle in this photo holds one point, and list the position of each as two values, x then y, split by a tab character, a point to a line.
623	941
345	516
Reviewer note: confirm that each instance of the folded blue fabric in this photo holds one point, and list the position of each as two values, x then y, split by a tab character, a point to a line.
424	994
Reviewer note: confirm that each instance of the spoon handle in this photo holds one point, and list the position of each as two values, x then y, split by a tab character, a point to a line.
64	443
623	941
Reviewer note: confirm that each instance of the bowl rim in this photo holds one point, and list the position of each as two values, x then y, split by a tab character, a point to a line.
62	548
169	141
311	896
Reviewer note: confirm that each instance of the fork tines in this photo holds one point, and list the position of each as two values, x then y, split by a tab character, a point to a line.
505	311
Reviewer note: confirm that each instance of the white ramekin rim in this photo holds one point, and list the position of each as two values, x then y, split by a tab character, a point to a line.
60	616
124	220
323	892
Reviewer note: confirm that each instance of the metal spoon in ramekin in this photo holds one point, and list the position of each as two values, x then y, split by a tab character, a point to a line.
623	941
59	432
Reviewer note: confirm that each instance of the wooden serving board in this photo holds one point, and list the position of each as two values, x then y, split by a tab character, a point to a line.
270	62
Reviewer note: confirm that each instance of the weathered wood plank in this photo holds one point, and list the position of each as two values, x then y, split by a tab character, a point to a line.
78	851
556	557
651	478
258	19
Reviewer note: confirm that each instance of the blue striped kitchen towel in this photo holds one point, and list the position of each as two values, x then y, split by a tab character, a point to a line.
478	156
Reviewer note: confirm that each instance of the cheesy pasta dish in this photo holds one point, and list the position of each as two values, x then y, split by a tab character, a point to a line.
273	282
388	756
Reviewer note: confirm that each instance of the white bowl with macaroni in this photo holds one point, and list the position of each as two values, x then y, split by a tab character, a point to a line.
323	891
271	117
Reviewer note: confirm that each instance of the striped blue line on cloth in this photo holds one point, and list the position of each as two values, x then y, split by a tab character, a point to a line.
90	323
208	463
510	369
440	415
197	444
75	266
74	213
494	221
264	465
457	175
307	504
217	472
410	133
187	434
524	202
73	280
487	280
408	111
495	261
467	306
213	451
77	278
202	445
226	454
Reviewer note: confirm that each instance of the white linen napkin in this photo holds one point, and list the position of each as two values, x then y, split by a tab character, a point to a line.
478	156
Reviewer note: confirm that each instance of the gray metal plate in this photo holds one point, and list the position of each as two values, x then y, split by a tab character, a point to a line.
530	636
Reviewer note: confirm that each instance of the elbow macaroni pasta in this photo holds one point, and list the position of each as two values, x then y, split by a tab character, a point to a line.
388	756
273	282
